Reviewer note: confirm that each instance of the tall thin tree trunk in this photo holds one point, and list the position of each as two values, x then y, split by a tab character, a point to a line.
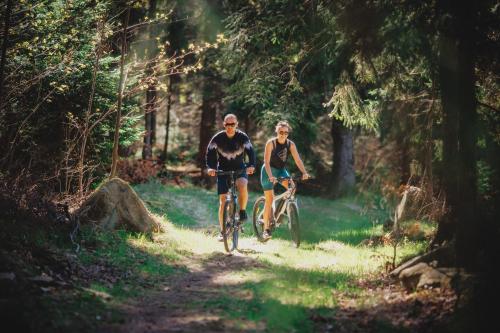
343	177
404	161
86	130
167	125
115	156
150	117
208	114
151	93
6	28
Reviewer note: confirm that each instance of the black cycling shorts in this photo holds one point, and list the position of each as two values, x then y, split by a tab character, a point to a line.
223	182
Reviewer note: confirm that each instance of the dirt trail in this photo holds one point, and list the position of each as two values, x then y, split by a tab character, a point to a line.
171	309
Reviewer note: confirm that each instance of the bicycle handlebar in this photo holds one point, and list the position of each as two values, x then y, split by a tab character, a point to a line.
229	172
295	179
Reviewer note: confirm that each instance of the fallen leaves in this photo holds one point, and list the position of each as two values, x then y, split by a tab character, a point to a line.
382	302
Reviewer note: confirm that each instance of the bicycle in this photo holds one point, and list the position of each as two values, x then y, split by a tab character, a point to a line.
230	220
284	205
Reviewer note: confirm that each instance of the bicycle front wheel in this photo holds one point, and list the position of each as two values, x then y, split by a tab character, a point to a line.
229	232
258	217
293	223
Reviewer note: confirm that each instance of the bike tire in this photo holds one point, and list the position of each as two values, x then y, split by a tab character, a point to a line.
228	230
257	221
293	223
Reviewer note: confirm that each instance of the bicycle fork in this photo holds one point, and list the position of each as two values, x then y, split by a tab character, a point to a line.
235	217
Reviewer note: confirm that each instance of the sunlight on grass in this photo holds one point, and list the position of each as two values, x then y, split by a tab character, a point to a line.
331	232
286	282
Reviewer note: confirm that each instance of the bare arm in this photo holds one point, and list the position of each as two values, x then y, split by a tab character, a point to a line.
298	160
267	160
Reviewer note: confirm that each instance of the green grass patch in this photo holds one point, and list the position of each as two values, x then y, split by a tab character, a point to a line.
277	287
293	283
188	207
132	253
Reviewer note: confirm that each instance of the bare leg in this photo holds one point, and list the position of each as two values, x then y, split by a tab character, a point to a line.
241	184
269	195
222	199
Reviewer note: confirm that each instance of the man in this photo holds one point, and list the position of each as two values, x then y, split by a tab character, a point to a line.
226	151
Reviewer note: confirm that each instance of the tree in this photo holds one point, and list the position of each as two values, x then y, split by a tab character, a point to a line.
456	67
50	68
5	40
116	140
212	83
151	92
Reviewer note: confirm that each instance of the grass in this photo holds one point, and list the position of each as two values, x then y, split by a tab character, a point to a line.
293	282
277	287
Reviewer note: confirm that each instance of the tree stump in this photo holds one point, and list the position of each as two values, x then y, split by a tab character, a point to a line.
116	205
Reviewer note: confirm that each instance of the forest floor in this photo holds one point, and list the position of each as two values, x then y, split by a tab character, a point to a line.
183	281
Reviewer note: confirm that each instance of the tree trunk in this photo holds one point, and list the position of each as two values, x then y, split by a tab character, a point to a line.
86	129
207	124
150	118
456	69
343	177
404	161
116	138
167	125
151	92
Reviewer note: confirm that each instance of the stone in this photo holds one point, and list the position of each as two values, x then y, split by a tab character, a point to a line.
115	205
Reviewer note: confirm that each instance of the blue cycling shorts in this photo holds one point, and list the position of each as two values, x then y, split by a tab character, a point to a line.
264	178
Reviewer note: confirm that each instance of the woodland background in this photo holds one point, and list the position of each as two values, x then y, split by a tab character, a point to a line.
381	95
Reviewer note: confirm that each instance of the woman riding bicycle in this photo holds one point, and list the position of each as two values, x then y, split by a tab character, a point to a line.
275	157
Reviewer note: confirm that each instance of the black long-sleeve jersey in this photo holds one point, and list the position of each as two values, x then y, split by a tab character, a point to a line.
226	153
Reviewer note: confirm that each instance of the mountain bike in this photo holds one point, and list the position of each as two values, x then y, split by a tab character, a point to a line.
284	206
230	219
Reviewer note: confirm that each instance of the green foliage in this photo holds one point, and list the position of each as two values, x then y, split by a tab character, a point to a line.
50	72
266	59
348	107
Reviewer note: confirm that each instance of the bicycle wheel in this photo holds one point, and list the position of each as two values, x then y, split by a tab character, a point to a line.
258	213
228	229
293	223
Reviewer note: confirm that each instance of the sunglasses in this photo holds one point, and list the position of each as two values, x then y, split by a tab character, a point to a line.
229	124
283	132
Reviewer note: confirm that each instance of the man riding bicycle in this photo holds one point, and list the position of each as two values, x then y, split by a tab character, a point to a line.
275	158
226	151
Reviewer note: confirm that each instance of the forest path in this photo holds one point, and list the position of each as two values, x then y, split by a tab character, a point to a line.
330	283
180	304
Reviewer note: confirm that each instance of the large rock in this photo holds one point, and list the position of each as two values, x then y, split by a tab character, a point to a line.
422	275
444	256
116	205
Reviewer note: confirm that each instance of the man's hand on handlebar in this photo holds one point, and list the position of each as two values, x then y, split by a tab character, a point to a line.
211	172
250	170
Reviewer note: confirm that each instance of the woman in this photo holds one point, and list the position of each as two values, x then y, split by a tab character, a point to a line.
275	157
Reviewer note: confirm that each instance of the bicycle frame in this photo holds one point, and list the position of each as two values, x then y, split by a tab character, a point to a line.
288	196
231	226
232	196
283	205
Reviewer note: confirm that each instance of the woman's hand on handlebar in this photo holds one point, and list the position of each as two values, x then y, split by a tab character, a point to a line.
305	176
211	172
